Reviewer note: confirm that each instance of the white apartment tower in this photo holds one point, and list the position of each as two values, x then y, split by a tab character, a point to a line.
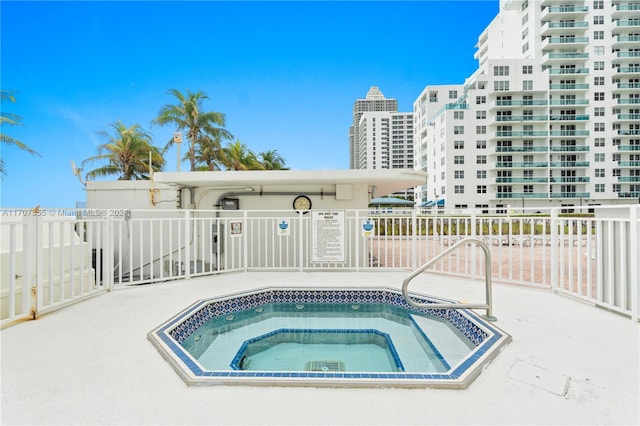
551	117
374	101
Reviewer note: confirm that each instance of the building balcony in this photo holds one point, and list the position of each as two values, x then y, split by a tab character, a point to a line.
628	163
568	71
565	87
518	103
568	117
521	164
522	195
627	71
570	179
569	164
569	148
534	133
623	9
511	118
628	101
569	102
521	149
622	87
570	195
635	194
625	117
569	133
561	27
628	147
626	39
627	54
542	179
564	12
627	23
564	42
565	56
628	132
628	178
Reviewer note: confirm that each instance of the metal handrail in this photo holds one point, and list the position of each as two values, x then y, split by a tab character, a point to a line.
487	262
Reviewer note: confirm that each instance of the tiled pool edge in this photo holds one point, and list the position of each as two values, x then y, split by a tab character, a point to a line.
458	378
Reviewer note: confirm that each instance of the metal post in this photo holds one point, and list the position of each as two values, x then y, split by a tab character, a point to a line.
177	139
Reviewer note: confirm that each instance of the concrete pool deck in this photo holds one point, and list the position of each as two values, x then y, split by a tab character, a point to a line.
91	363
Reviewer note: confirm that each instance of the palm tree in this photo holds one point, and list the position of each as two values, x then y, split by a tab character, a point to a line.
127	154
9	119
240	157
210	154
187	115
271	160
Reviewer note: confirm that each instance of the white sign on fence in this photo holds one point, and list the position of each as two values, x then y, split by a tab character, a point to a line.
328	236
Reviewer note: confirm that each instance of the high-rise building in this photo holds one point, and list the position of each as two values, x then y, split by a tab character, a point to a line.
551	117
374	101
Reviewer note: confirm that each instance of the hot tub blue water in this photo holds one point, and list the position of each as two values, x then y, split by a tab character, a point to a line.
346	337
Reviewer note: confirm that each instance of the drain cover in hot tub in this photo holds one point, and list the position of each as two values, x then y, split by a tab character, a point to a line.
324	366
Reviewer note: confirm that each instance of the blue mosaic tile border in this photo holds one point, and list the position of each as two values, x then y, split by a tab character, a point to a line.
236	362
192	322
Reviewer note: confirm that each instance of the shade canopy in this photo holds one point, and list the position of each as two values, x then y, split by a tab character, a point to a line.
390	201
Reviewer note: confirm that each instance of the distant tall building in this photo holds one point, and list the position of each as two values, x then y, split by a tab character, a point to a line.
375	101
380	136
551	117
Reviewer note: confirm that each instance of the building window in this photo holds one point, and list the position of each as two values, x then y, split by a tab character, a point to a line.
458	189
598	65
527	188
598	96
481	189
598	35
453	94
481	130
501	85
598	4
458	174
501	70
481	100
599	187
598	142
525	33
598	81
616	187
598	111
458	144
598	19
459	159
527	69
598	157
481	115
481	159
615	172
481	144
598	127
598	50
525	47
481	174
616	157
459	115
458	130
599	172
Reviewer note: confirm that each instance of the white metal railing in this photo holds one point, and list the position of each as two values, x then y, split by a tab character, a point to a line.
54	257
488	303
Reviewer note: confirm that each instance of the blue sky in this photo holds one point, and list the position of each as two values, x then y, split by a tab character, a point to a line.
286	74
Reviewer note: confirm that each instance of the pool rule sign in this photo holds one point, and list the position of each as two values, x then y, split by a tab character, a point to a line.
328	236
